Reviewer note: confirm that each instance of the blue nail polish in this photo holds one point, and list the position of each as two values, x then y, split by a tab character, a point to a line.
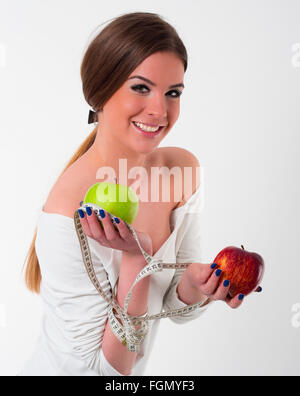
218	272
102	214
241	296
226	283
88	211
81	213
213	265
117	220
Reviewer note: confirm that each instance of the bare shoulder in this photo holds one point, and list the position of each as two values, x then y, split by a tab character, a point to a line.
60	201
177	156
65	196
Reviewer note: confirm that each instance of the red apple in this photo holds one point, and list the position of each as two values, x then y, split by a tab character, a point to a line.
243	269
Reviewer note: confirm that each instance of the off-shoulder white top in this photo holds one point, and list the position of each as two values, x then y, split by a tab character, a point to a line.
75	314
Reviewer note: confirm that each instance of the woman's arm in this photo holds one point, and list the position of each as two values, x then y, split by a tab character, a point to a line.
115	352
188	293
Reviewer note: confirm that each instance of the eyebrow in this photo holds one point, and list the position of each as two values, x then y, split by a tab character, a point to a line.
152	83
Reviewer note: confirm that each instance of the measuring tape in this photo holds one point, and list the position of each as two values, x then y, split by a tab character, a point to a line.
132	330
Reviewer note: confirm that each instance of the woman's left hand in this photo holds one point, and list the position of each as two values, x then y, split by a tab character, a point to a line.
205	279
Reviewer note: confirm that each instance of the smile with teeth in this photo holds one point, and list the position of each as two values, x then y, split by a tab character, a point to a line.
145	127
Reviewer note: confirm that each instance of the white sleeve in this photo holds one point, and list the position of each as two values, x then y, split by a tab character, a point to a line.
77	311
189	252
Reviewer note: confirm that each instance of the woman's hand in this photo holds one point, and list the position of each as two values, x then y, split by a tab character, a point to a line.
204	279
108	236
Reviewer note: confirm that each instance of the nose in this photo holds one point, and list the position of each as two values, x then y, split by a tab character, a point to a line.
157	107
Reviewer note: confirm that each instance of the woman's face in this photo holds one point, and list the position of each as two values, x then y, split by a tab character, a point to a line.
153	102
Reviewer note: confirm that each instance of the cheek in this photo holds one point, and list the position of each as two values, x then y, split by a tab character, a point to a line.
122	109
127	103
131	106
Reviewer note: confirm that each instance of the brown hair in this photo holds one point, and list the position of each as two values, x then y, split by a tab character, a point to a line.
108	61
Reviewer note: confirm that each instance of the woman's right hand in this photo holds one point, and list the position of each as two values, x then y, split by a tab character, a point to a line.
108	236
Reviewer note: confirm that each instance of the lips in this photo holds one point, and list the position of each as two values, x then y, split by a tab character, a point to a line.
148	134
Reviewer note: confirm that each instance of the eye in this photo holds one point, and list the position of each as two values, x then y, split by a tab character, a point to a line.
140	87
178	93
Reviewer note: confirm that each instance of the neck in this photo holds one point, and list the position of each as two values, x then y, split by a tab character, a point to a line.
107	159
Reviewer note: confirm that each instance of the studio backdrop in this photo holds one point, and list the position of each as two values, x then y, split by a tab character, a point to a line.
239	115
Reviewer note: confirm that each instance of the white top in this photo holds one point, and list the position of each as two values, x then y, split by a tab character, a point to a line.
75	313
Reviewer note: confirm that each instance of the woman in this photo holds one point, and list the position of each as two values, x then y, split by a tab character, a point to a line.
132	72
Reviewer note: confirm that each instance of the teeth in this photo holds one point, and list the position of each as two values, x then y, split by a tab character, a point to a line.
146	128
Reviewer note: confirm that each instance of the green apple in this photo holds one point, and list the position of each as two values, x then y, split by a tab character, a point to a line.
121	201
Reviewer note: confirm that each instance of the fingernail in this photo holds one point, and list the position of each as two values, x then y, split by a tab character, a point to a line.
218	272
81	213
102	214
213	265
226	283
259	289
241	296
117	220
88	211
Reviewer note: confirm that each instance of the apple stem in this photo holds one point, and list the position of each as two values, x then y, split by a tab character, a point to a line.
242	247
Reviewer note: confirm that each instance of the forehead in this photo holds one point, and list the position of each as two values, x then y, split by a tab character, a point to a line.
161	67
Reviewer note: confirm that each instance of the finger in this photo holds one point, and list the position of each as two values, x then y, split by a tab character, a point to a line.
109	230
94	225
209	288
123	229
235	301
222	291
258	290
207	271
84	223
201	273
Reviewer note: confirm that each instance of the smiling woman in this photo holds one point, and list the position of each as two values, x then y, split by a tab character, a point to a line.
132	76
110	62
138	116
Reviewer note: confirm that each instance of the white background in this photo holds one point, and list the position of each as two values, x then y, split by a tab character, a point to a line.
239	115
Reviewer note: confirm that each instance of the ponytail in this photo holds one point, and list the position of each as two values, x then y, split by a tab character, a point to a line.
33	275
